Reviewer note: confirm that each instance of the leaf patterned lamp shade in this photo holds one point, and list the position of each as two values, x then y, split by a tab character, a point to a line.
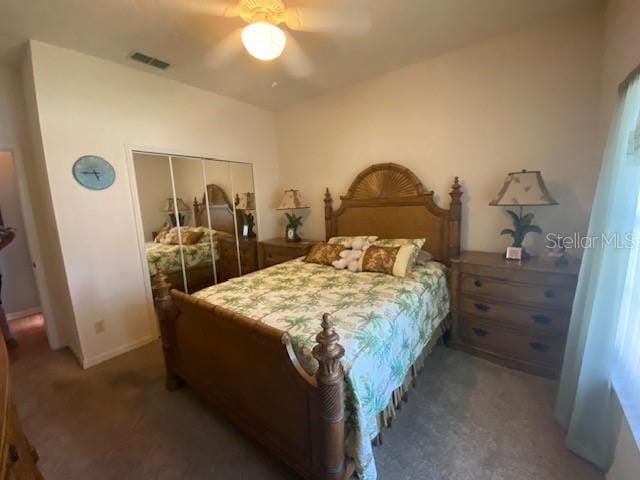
523	189
292	200
246	201
168	205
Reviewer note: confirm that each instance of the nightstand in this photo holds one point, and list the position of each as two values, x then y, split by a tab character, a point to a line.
512	313
278	250
229	257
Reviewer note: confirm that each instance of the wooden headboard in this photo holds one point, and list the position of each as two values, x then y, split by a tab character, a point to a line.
388	200
219	207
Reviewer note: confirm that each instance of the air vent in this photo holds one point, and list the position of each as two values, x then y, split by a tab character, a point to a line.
147	60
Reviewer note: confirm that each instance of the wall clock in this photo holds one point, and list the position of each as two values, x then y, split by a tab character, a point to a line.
94	172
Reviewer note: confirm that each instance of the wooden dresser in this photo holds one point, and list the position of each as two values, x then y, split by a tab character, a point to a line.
18	460
279	250
513	313
228	263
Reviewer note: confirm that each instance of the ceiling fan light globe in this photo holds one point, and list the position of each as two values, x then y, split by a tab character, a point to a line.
263	40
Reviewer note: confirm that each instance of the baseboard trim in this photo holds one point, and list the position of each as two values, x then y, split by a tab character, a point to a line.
23	313
103	357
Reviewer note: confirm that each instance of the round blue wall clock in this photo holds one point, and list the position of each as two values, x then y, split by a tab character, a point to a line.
94	172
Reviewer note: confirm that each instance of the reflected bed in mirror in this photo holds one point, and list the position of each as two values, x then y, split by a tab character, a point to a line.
192	230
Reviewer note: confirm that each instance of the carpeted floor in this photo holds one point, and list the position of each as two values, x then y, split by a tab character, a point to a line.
467	419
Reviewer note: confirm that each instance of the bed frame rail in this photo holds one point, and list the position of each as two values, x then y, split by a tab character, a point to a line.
249	371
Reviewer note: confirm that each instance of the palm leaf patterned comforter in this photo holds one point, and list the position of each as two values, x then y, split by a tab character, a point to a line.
167	257
384	323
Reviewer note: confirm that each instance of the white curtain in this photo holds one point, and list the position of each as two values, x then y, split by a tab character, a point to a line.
603	346
626	372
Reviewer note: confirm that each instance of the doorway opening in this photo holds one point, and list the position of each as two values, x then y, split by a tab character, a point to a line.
19	291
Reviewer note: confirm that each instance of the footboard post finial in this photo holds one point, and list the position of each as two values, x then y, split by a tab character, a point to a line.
330	377
455	215
328	214
167	313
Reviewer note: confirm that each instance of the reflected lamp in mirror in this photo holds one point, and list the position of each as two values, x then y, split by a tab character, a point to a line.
246	204
170	208
292	200
522	189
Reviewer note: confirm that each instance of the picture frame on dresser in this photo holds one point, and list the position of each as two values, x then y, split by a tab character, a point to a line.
512	313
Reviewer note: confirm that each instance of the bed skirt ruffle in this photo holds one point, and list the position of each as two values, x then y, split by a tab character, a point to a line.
401	394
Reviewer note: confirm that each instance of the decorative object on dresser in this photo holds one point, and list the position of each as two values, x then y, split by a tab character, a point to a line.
515	314
237	258
246	204
18	456
292	200
522	189
278	250
172	205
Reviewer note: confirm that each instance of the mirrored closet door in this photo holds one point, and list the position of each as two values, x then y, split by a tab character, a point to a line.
198	218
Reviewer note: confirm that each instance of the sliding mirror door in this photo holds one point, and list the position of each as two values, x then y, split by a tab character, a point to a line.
198	217
220	209
160	211
196	239
244	199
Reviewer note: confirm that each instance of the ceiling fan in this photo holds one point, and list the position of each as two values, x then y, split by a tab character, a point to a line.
264	37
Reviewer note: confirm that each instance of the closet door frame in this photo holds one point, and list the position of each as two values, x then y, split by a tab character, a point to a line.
132	149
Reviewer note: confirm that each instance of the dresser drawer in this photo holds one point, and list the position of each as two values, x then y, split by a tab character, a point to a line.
527	293
528	347
550	322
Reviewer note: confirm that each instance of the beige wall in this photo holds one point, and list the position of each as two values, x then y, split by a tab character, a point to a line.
90	106
527	100
621	56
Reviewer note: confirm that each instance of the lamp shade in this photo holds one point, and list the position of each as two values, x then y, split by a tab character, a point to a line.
291	200
523	189
246	201
168	205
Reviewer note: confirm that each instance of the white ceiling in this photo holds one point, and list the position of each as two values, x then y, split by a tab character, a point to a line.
402	32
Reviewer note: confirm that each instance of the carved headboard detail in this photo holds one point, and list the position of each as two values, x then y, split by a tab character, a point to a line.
220	210
389	200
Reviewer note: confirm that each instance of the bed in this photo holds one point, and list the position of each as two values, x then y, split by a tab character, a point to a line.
305	358
198	264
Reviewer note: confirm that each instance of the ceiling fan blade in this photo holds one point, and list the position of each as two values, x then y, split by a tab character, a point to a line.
218	8
340	21
229	47
295	61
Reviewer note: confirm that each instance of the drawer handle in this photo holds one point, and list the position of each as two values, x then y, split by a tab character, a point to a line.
482	307
549	294
539	347
477	283
14	455
541	319
481	332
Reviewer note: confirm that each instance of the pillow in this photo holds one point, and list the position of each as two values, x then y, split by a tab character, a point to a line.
189	236
160	236
347	242
399	242
323	254
423	258
394	261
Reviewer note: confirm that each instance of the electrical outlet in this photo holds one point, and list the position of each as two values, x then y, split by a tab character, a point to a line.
99	326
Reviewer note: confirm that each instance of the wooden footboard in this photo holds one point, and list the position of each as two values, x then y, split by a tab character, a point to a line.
249	371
